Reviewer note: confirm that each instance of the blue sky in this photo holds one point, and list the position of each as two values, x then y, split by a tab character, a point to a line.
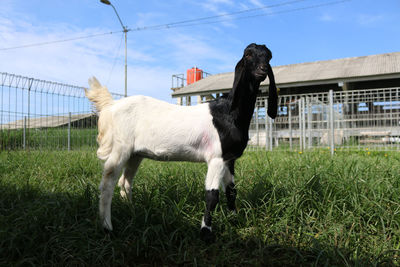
295	31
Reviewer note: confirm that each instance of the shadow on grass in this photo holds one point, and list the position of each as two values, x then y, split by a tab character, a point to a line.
160	228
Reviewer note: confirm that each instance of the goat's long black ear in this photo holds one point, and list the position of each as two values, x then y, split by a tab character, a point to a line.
239	71
272	95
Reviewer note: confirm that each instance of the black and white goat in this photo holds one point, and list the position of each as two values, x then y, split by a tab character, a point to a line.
138	127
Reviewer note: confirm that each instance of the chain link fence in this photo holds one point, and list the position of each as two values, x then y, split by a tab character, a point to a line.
353	120
38	114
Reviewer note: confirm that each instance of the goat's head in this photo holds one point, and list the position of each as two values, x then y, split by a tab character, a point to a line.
255	62
254	65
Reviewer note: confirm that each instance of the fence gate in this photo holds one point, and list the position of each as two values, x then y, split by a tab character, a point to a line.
359	119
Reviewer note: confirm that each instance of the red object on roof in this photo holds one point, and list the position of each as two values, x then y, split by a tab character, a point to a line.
193	75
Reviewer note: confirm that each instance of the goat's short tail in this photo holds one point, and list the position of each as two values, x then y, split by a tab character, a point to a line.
101	98
98	95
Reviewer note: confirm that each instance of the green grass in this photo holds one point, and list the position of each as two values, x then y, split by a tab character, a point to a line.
294	209
48	138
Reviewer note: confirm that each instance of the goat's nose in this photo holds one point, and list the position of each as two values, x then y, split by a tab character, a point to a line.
263	67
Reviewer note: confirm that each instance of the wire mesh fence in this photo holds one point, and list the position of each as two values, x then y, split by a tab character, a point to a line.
38	114
359	119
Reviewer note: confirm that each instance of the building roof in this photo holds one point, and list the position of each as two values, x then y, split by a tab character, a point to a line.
375	67
44	122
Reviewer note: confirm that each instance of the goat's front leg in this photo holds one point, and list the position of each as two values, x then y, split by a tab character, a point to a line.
216	170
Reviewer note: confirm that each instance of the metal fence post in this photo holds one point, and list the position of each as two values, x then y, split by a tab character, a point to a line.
24	134
270	134
257	127
29	107
301	136
266	124
69	131
290	126
304	122
309	125
266	133
331	123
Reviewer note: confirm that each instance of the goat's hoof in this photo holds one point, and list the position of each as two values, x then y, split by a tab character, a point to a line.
125	196
107	226
233	218
107	232
207	236
233	210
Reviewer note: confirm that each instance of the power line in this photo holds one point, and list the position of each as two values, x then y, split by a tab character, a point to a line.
59	41
258	15
115	59
172	24
194	22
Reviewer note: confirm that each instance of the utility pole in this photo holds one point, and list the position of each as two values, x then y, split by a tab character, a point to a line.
125	30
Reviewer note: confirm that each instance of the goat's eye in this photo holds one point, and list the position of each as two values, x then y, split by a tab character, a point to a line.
248	55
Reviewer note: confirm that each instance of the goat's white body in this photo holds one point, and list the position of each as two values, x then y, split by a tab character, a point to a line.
158	130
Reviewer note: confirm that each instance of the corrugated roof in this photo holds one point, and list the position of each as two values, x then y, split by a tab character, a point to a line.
43	122
319	72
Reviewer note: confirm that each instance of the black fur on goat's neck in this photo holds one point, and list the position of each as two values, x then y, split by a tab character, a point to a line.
243	96
232	113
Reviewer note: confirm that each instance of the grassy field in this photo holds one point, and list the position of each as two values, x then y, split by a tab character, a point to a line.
295	209
47	138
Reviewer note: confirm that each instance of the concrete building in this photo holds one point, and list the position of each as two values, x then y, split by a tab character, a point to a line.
344	102
376	71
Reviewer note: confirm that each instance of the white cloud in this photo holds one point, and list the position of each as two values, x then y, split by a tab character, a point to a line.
150	63
215	5
326	17
148	19
367	19
189	51
219	8
257	3
74	62
224	7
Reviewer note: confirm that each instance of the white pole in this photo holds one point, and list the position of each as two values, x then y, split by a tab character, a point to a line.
304	122
266	125
24	133
257	128
290	127
126	61
270	134
69	132
301	123
331	122
309	125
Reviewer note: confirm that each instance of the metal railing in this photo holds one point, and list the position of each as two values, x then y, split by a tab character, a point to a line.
359	119
38	114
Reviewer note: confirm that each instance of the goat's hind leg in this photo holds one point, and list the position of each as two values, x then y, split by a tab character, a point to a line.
112	169
229	183
125	182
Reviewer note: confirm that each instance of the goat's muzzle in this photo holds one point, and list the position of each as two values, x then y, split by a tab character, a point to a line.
261	72
260	75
